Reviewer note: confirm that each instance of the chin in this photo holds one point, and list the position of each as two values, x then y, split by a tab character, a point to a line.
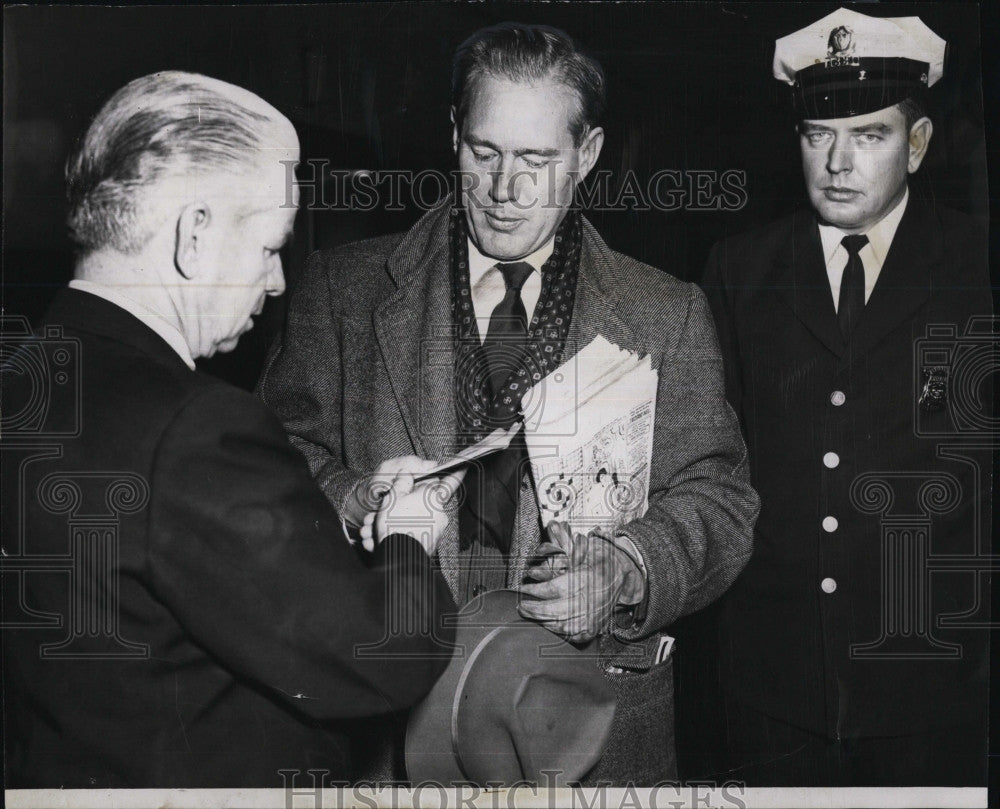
838	215
224	346
503	248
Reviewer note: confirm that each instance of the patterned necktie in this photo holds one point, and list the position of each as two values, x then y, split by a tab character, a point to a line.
852	286
504	343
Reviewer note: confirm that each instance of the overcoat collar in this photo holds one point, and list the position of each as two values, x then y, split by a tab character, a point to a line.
82	311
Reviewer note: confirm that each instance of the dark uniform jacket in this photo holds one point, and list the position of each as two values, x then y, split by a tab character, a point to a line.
190	612
855	616
365	372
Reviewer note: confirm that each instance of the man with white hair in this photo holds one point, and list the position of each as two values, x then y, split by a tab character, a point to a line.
215	620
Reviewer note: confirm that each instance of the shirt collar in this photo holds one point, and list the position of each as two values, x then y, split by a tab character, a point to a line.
479	263
880	235
170	333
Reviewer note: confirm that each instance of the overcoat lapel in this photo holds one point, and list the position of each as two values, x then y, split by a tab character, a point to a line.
594	310
415	335
413	327
804	284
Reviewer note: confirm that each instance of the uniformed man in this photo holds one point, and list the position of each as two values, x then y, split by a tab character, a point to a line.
844	658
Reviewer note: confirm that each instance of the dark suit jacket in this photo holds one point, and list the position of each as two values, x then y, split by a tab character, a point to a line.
364	372
869	658
211	603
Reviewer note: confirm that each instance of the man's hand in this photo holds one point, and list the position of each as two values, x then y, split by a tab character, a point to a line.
397	474
420	512
579	594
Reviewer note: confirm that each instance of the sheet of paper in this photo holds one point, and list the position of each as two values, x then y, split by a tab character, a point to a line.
496	441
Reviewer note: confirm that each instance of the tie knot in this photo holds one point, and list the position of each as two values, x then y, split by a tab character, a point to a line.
853	244
514	275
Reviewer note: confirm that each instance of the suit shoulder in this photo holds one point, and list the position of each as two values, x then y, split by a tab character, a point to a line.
228	402
956	223
355	260
767	236
215	413
376	249
355	271
644	279
650	295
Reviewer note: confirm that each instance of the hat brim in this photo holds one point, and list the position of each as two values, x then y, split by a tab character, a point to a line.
515	700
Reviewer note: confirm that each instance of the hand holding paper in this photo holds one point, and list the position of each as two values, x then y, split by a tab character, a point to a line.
420	512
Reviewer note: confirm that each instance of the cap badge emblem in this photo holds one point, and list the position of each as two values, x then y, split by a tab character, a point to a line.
841	41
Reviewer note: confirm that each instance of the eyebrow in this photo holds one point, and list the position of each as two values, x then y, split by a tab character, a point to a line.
474	141
879	128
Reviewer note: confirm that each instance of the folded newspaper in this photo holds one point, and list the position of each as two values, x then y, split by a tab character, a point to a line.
589	431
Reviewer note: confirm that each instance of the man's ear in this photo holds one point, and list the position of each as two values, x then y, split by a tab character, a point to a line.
920	139
192	222
454	131
590	150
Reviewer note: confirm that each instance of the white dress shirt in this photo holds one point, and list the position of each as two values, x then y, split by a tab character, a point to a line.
872	255
170	333
489	287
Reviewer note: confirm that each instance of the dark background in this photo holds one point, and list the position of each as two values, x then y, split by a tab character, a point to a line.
367	86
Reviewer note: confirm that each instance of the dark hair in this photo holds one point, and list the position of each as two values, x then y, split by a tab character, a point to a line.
913	110
524	53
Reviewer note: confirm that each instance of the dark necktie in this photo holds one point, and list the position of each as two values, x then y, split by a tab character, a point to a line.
508	326
486	518
852	286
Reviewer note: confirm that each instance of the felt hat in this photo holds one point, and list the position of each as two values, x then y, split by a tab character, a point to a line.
515	701
849	64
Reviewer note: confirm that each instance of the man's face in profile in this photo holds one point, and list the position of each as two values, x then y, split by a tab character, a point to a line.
520	162
856	168
250	223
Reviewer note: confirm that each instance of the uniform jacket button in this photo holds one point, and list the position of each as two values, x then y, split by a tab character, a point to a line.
828	585
831	460
830	524
837	398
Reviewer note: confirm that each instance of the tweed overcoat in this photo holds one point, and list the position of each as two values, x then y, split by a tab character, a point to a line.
857	615
364	372
181	607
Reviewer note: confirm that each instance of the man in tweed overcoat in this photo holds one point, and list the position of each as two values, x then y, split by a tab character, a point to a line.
364	376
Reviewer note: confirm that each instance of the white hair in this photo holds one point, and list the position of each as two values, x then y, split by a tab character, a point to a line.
166	124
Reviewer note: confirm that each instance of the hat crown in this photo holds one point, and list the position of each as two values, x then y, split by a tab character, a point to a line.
846	32
850	64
